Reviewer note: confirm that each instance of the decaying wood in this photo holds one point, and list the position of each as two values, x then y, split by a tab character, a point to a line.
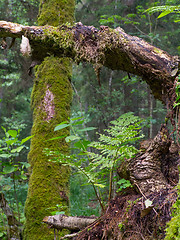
128	218
13	228
146	168
155	167
72	223
112	48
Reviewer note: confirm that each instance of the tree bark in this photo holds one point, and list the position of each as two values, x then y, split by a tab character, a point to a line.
50	100
146	168
112	48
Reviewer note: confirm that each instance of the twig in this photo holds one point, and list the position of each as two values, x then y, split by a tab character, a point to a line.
145	198
70	235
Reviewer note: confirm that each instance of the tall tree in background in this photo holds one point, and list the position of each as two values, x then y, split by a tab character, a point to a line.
51	99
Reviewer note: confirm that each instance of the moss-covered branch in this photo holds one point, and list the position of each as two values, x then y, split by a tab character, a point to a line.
112	48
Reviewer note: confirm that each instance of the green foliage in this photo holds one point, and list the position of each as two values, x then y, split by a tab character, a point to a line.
165	11
115	146
173	227
83	201
177	90
123	183
13	172
99	159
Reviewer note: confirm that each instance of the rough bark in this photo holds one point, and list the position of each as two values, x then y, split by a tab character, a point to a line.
155	167
50	100
112	48
146	168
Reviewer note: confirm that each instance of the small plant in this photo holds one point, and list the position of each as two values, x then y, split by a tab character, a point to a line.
97	160
173	226
123	184
12	170
177	90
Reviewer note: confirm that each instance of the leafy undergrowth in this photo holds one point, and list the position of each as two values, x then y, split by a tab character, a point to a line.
83	201
128	217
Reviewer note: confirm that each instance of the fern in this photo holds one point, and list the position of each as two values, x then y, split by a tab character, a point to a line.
113	147
165	10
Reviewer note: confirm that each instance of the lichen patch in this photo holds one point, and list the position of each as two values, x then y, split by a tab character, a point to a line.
48	105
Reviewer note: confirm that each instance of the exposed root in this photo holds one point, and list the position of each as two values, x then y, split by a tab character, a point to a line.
124	219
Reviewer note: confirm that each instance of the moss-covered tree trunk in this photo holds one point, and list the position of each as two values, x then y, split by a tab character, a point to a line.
51	99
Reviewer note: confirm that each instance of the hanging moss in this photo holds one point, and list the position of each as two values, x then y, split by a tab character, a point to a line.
50	100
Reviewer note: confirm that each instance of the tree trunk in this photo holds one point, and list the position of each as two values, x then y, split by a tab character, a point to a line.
51	99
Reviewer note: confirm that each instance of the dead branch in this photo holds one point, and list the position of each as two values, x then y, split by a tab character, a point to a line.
112	48
72	223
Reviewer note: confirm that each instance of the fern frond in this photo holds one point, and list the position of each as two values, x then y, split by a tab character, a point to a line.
164	9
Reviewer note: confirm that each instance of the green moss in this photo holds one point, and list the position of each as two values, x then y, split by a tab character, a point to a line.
56	12
50	100
157	50
48	180
173	226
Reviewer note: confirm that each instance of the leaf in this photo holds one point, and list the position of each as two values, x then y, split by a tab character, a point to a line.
26	139
164	13
86	129
58	213
76	118
56	138
4	155
25	164
9	169
61	126
12	133
99	185
83	144
78	123
148	203
71	138
146	211
23	177
7	187
17	150
11	142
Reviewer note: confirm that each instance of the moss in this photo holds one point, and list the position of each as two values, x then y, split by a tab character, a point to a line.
48	180
56	12
50	100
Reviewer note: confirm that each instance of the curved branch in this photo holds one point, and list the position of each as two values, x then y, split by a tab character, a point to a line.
112	48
